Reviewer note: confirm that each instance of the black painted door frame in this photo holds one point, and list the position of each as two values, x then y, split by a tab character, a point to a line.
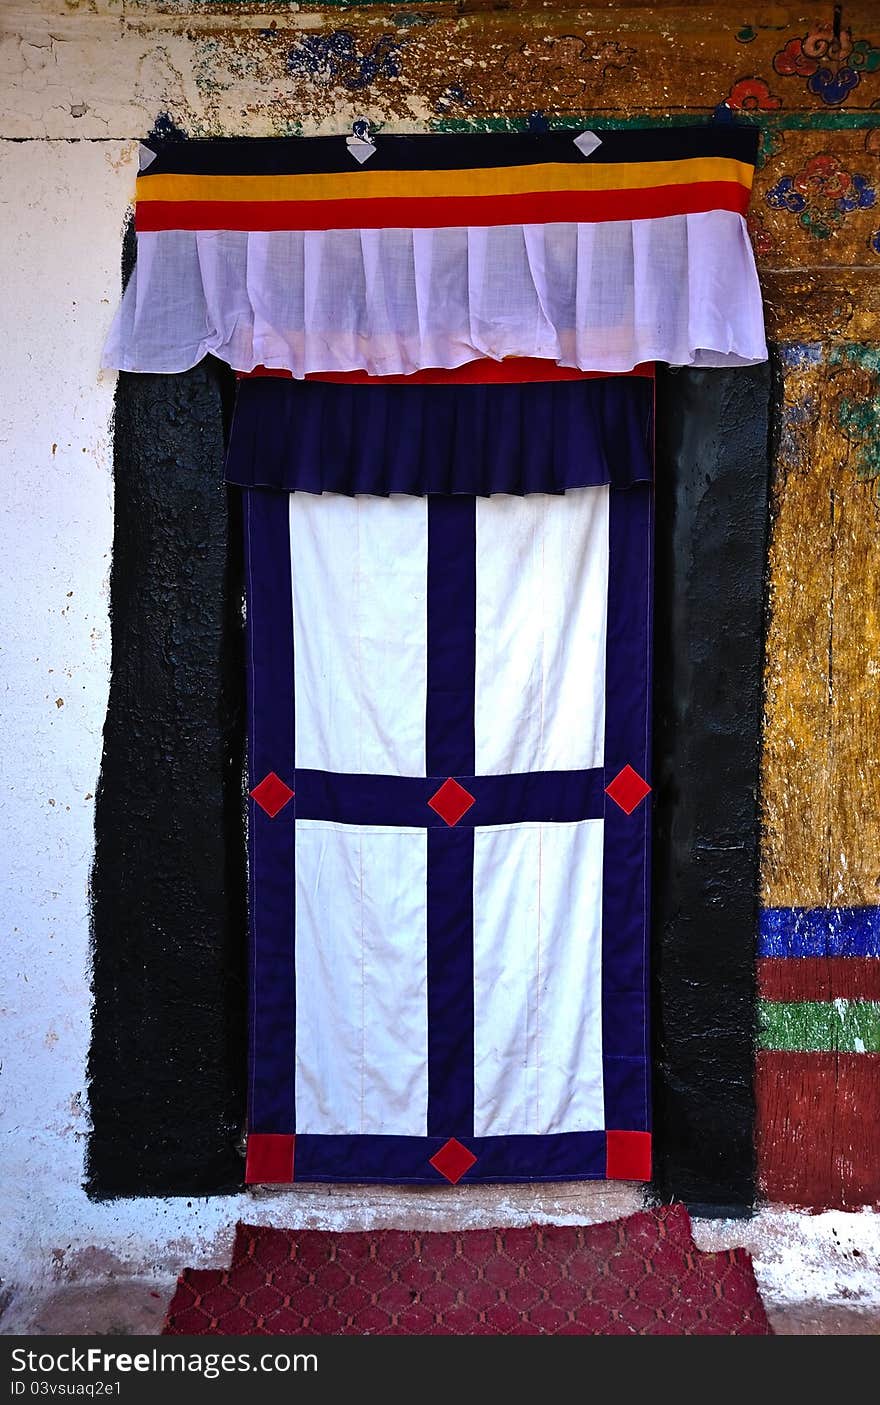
712	492
167	1066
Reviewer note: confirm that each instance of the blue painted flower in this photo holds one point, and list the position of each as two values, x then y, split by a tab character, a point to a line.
860	196
783	196
382	61
337	55
454	95
874	242
801	355
833	88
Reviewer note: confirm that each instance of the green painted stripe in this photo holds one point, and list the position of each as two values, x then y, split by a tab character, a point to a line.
846	1026
820	121
776	121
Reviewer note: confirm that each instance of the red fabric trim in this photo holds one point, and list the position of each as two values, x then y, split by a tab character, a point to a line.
272	794
628	789
628	1156
513	370
451	802
791	978
445	212
269	1159
453	1160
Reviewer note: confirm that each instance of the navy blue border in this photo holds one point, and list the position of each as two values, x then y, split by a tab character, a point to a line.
450	750
627	851
538	797
450	963
450	730
441	151
271	842
565	1156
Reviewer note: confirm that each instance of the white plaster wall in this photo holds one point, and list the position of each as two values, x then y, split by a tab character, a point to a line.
65	183
61	213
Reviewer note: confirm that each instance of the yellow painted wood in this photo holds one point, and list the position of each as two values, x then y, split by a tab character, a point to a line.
854	759
831	306
821	768
797	731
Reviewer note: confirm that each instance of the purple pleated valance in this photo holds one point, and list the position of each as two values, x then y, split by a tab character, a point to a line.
316	437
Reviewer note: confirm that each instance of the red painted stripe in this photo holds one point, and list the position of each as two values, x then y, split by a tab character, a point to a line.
445	212
790	979
514	370
818	1129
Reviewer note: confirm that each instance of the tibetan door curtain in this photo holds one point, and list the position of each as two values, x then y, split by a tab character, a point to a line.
444	441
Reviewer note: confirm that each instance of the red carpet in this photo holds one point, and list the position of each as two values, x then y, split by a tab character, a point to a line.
640	1276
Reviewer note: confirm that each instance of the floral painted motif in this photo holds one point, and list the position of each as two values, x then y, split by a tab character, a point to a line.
752	95
336	57
874	242
831	63
822	194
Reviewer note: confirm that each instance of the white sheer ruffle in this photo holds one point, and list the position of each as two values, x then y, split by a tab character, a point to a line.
601	297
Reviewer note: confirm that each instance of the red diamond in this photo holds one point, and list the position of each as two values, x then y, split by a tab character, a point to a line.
628	790
272	794
453	1159
451	801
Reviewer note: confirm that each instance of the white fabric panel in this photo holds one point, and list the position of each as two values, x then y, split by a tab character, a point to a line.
682	288
537	979
360	632
361	980
542	594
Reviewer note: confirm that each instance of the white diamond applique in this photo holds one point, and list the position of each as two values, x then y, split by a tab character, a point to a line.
587	142
361	150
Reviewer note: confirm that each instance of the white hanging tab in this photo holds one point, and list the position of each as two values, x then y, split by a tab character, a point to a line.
587	142
146	157
359	143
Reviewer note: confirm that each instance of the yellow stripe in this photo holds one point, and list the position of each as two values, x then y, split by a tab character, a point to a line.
496	180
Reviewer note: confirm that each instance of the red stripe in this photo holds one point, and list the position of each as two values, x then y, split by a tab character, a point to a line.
445	212
791	978
513	370
817	1128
